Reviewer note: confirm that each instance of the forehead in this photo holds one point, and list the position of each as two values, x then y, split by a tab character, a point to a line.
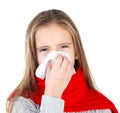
52	32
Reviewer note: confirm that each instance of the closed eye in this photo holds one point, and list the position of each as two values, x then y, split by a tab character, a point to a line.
44	49
64	46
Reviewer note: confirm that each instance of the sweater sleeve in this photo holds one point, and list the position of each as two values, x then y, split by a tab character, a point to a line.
51	105
48	105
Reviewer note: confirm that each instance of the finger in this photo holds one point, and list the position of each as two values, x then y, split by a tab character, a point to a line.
58	61
70	68
65	63
48	68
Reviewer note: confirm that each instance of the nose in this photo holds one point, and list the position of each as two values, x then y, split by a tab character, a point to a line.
54	49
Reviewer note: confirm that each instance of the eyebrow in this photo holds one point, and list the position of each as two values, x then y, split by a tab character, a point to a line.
65	43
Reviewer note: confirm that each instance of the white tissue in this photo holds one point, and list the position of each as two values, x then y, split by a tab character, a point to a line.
40	71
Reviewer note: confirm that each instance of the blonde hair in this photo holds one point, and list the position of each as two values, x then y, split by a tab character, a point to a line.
40	20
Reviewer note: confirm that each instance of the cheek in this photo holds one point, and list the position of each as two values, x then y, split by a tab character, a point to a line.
72	57
40	58
73	60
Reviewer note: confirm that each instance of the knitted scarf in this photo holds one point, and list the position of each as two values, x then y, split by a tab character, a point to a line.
77	96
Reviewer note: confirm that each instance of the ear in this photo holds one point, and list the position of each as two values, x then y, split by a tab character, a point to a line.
76	56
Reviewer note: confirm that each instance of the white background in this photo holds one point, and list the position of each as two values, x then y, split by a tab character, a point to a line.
98	22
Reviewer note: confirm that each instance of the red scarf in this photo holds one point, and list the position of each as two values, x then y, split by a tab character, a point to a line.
77	96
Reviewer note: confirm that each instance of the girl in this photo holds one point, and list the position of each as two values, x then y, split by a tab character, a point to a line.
61	91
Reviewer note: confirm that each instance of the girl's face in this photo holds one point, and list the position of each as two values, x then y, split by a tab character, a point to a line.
53	37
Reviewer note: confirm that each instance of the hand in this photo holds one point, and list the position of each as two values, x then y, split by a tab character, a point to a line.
58	76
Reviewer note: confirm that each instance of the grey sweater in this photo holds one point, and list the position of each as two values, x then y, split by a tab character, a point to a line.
48	105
